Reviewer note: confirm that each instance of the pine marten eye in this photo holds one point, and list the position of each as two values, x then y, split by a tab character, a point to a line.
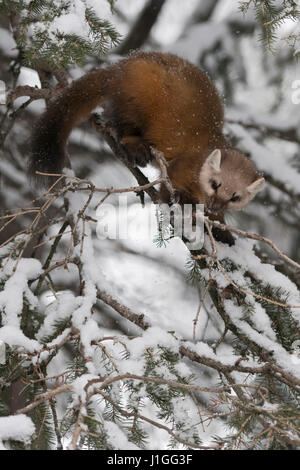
215	185
235	198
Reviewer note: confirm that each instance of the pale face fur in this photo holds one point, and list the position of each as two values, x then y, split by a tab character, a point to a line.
229	180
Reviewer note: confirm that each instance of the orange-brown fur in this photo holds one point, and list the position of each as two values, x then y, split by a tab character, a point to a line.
154	99
179	105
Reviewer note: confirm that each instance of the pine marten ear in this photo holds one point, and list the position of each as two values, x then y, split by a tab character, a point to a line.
214	160
256	186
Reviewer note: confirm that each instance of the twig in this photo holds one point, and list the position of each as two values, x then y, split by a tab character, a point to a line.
126	312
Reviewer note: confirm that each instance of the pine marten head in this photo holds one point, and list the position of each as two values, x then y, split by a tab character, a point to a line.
229	180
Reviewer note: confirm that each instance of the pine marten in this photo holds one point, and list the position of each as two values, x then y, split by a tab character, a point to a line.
159	100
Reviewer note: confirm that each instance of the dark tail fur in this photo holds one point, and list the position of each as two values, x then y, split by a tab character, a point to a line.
50	134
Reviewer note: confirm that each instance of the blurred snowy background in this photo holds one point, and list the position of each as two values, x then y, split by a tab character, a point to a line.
259	89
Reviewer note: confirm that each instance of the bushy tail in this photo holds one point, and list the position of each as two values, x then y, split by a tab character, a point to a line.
50	134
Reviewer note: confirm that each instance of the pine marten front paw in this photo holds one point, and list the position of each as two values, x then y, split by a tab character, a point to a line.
137	152
223	236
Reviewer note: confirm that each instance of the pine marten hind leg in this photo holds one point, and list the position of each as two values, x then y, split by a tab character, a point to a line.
137	150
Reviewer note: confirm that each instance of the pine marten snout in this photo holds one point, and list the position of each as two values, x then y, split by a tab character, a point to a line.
160	100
